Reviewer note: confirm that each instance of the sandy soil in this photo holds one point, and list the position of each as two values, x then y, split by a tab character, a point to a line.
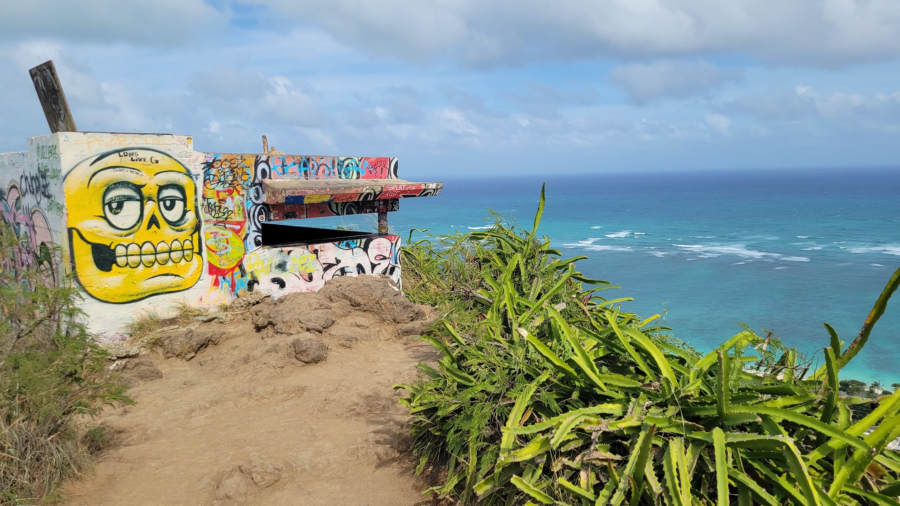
238	410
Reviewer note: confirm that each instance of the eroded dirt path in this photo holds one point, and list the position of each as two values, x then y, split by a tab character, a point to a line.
248	421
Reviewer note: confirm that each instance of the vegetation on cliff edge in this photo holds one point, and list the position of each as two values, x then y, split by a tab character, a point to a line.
547	392
50	373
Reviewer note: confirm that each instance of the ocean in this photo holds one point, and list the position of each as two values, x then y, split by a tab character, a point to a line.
776	250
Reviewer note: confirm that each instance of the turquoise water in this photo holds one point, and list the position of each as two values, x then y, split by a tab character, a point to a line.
776	250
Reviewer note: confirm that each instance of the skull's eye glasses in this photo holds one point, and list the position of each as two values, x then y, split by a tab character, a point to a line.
122	205
172	204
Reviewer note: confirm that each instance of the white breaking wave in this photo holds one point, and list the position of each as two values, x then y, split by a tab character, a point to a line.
596	227
658	254
712	251
812	248
582	243
780	267
876	265
480	228
589	245
604	247
802	237
887	249
618	235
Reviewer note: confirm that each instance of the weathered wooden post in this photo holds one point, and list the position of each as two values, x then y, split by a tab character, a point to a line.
53	100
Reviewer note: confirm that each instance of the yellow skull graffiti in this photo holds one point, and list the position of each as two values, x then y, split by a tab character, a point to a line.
133	226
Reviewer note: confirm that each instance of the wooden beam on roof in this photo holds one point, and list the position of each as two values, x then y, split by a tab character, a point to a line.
53	100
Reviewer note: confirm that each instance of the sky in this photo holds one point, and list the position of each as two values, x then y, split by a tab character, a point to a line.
476	87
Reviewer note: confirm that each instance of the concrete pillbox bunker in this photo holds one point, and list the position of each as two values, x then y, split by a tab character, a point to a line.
146	223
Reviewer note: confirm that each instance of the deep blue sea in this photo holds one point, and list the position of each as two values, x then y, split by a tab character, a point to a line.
779	251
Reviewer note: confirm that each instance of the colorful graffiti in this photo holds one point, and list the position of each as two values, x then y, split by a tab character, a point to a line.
324	209
133	225
147	220
32	231
241	192
303	192
307	268
332	167
258	210
229	183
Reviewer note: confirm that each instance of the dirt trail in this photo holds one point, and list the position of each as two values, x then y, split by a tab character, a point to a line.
253	417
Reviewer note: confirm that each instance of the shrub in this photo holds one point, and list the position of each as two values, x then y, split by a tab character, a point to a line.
50	373
546	392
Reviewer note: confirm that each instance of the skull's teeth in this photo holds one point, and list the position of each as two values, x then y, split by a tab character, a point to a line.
134	255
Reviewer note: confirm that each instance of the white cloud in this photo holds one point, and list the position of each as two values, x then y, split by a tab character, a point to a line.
718	122
455	122
506	32
805	103
645	82
143	22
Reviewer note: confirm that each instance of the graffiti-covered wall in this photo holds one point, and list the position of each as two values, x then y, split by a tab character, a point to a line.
145	224
30	206
233	207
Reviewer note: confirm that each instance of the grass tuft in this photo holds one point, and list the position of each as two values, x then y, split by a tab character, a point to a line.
52	374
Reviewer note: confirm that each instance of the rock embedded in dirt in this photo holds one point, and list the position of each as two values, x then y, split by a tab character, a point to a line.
261	317
140	369
345	335
414	328
261	471
123	349
401	310
233	488
187	344
347	341
373	294
317	321
287	320
361	292
248	300
309	350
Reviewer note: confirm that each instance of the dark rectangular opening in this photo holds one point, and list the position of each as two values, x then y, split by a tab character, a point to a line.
292	235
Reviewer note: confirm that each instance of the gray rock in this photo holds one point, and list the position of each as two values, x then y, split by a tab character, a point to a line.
234	487
290	320
122	349
261	317
187	344
140	369
263	472
414	328
309	350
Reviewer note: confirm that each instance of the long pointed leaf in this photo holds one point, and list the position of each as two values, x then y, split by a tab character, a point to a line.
812	423
535	493
634	469
515	415
753	487
721	467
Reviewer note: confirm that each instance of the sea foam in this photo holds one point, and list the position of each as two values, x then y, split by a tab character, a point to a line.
740	250
589	245
887	249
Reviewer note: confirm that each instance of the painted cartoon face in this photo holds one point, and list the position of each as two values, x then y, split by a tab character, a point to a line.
133	227
382	256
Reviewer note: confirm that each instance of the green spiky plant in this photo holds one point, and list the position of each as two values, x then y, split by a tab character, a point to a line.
548	393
